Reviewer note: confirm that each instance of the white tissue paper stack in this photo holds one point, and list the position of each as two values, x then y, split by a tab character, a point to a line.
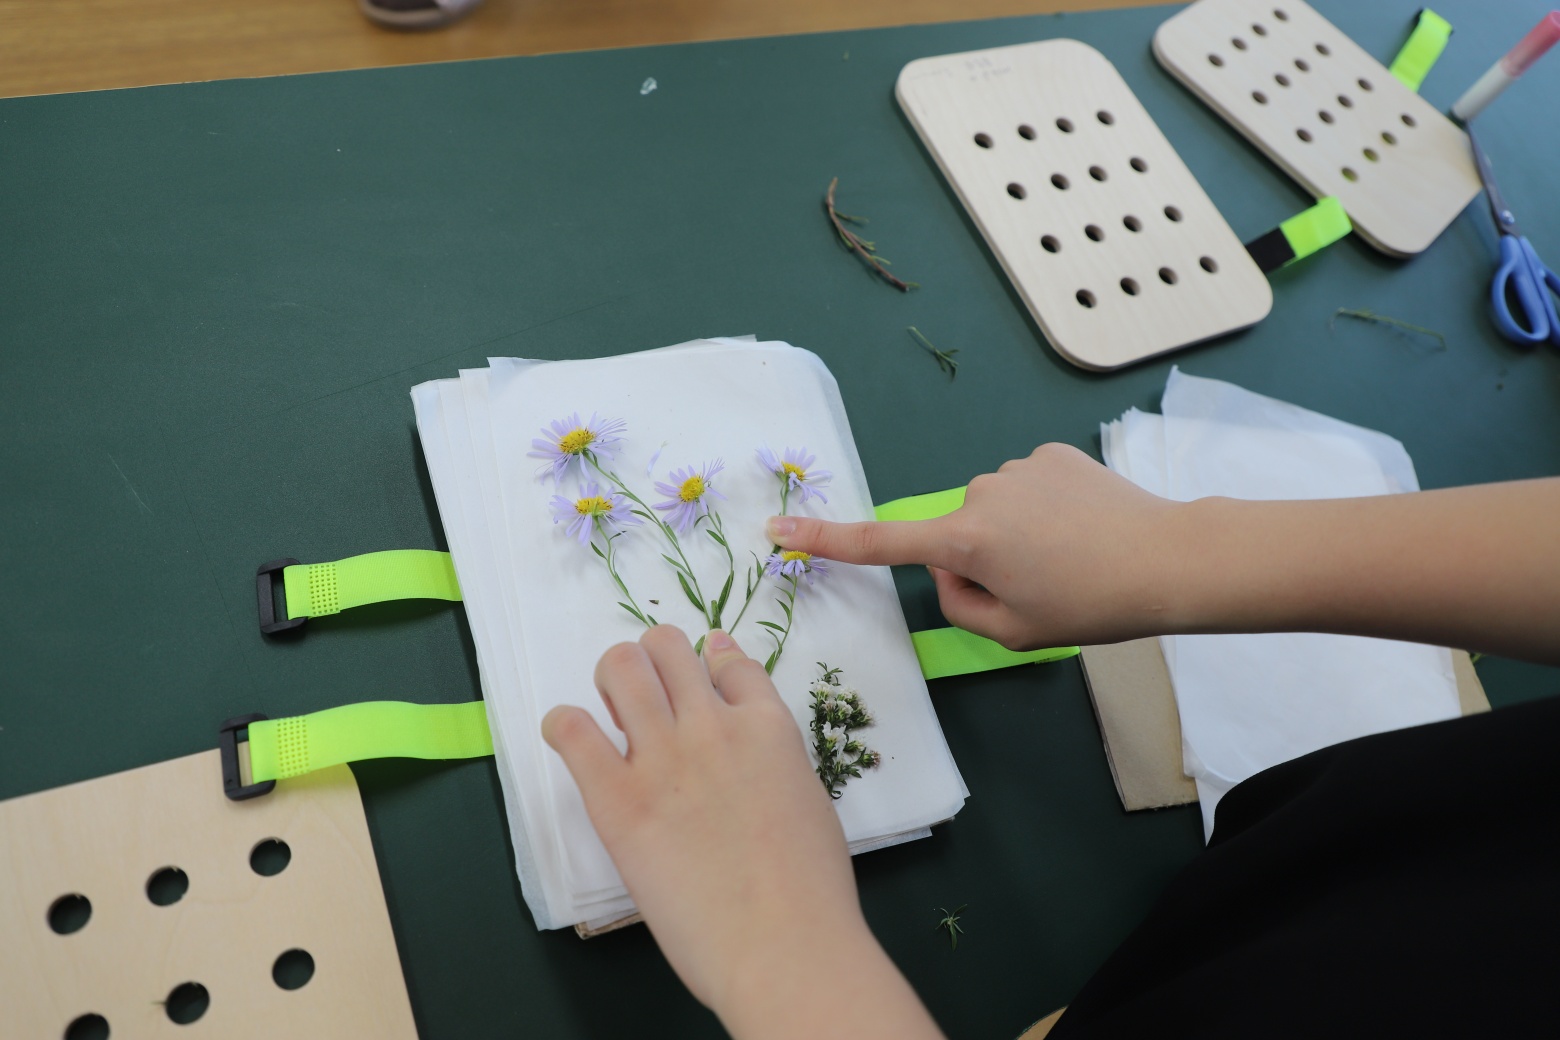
1248	702
542	608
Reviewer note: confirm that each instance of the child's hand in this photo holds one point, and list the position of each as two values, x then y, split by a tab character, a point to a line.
1050	550
721	830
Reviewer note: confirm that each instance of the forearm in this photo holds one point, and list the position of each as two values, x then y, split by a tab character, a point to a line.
832	984
1474	567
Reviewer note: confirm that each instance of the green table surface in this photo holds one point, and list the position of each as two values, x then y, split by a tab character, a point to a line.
214	298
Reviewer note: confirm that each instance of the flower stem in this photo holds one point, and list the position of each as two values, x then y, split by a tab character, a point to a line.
606	553
789	606
666	530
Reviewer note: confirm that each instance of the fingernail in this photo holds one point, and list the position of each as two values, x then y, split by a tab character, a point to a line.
718	640
778	527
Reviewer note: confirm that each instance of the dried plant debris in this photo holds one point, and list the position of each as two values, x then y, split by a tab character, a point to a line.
950	924
1382	319
944	358
858	245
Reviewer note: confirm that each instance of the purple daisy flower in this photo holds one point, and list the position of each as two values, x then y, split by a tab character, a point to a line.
793	563
795	468
688	495
593	504
566	442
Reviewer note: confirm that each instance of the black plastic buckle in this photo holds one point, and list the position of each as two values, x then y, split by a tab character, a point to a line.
227	743
266	582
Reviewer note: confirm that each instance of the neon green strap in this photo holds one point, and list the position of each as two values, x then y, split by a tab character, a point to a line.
1423	49
1316	228
280	748
953	651
317	589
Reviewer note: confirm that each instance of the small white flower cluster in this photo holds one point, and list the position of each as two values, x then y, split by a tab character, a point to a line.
837	710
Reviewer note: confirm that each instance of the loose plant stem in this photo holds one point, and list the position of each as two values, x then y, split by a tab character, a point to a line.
1382	319
950	922
858	245
944	358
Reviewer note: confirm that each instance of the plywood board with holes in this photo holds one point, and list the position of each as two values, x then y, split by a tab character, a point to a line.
1134	703
160	884
1327	112
1112	244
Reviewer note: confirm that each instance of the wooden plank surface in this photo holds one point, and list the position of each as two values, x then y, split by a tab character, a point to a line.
48	48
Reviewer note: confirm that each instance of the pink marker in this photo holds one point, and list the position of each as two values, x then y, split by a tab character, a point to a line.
1504	72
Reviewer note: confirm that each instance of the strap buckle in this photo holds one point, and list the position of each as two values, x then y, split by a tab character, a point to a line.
265	591
227	743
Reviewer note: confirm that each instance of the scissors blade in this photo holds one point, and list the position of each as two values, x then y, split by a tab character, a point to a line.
1505	223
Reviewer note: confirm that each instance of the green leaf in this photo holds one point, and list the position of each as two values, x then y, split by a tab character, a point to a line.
785	607
698	648
632	611
597	550
725	594
769	665
688	591
653	621
719	540
771	624
642	514
677	565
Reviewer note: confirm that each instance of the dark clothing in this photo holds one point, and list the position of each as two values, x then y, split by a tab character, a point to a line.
1403	884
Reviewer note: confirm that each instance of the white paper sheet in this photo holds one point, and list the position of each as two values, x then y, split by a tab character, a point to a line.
1248	702
543	608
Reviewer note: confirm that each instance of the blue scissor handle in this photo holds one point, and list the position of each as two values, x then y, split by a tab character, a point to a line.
1522	271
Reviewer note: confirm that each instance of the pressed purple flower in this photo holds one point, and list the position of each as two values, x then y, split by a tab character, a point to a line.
795	467
793	563
566	442
593	503
688	493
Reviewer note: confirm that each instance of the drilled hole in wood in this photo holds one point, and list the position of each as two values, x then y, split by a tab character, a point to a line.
167	886
1084	297
1064	125
1208	264
1259	97
1349	174
1140	165
1097	172
984	140
1132	223
293	969
1408	120
70	913
1050	243
1059	182
1325	116
187	1002
1173	213
1259	28
1167	276
1238	43
1281	79
1389	137
1105	117
1365	84
1016	190
90	1026
1095	233
1026	131
270	857
1370	153
1323	50
1302	65
1345	101
1215	60
1280	14
1304	135
1129	286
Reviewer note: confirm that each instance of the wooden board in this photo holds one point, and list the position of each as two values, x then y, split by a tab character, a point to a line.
1108	238
105	839
1134	704
1328	113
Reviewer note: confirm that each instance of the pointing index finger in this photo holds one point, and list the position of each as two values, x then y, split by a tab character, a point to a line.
871	542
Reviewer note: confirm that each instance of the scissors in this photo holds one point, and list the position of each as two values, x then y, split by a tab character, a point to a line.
1521	273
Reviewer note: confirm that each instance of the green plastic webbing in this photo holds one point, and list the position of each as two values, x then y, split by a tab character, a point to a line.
317	589
1317	227
953	651
1423	49
281	748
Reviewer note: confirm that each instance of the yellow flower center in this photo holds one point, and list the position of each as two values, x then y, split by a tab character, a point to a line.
692	489
791	469
793	555
595	505
576	441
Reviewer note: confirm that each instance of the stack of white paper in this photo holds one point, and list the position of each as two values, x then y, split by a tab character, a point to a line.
1248	702
542	607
